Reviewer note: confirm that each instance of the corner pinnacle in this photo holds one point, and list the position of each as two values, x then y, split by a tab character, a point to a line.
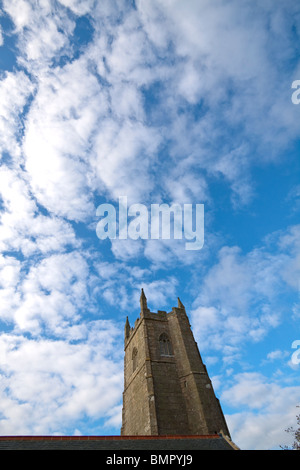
127	328
180	304
143	301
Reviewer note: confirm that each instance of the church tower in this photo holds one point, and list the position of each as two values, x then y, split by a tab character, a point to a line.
167	390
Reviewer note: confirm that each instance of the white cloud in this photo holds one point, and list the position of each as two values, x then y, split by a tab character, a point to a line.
269	409
223	58
15	90
69	105
277	354
1	37
80	7
165	253
47	385
71	150
22	226
127	249
42	30
159	293
121	284
65	165
291	241
130	55
239	297
21	12
52	294
56	141
10	269
185	186
123	156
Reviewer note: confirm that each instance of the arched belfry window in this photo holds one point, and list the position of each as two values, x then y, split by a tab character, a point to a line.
165	346
134	359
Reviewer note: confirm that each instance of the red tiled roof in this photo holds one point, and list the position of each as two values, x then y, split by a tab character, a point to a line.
108	443
107	438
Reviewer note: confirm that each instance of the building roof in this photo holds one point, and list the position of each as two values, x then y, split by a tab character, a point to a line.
209	442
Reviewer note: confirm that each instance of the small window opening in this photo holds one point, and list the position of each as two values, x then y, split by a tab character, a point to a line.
165	345
134	359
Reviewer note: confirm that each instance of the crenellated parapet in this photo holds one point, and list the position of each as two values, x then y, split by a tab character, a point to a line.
160	315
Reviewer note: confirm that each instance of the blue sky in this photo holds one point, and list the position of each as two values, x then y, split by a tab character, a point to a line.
158	101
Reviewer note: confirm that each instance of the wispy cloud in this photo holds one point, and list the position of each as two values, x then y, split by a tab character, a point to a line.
265	404
47	385
240	296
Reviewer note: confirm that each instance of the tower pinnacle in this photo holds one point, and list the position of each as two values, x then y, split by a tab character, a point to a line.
127	328
180	304
143	301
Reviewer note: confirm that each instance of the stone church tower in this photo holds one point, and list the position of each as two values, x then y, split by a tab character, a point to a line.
167	390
